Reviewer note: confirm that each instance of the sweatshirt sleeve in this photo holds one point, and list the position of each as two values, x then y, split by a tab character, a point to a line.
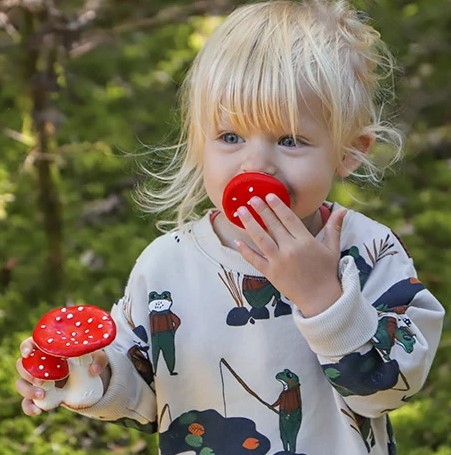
376	344
130	394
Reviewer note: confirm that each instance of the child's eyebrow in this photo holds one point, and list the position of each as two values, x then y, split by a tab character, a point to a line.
225	125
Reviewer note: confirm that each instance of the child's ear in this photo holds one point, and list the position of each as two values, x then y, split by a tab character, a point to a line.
351	161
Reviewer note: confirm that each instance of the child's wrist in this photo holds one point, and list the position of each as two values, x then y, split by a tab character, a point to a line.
321	299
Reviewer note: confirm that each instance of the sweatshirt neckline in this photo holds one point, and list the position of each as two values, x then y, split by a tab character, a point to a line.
209	244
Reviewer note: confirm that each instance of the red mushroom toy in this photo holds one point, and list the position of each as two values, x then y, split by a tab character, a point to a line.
244	186
71	333
50	369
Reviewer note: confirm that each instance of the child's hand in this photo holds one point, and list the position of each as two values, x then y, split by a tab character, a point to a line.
28	386
302	268
31	388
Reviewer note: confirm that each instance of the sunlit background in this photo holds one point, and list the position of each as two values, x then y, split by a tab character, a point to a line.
84	87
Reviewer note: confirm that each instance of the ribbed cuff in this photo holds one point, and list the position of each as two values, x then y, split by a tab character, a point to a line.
115	402
347	325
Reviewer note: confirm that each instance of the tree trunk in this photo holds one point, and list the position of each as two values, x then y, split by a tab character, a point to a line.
50	208
41	84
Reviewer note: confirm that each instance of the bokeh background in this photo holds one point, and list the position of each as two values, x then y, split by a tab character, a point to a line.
84	86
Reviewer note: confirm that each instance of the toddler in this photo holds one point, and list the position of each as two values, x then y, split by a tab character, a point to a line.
296	335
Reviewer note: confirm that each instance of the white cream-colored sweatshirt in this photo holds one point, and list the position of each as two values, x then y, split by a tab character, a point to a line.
210	355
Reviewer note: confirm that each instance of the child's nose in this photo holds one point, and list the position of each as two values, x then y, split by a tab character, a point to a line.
258	158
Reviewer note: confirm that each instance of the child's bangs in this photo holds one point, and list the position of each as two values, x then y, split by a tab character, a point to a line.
251	81
255	100
247	116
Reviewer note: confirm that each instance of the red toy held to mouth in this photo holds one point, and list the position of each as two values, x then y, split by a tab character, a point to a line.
244	186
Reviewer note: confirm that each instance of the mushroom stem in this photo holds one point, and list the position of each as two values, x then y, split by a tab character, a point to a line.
81	390
53	396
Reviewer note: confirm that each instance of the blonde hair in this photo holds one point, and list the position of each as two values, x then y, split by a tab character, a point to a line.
253	67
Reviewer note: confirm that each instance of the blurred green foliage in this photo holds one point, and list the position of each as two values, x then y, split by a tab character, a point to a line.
116	89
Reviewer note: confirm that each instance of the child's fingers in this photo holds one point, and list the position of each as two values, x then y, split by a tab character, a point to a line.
29	408
287	217
25	375
332	230
26	385
273	224
28	390
264	242
251	256
26	347
99	363
29	393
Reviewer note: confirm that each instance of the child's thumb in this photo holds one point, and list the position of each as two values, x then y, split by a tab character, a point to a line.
99	362
332	230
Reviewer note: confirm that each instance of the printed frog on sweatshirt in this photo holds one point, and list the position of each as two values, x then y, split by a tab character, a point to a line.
163	325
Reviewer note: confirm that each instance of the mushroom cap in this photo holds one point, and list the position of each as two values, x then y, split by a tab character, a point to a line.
45	366
244	186
74	331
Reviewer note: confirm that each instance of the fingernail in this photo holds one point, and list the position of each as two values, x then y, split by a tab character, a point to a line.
242	211
96	369
270	197
254	201
38	382
39	394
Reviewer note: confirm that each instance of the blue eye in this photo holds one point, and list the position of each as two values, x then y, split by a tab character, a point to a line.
292	141
231	138
288	141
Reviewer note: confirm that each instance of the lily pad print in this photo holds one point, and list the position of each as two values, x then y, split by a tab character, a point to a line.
209	433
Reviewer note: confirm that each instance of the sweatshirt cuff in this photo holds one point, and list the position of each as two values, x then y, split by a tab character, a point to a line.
347	325
115	403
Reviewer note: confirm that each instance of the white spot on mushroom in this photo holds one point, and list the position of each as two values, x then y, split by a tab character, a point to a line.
49	340
43	357
78	324
104	318
81	308
85	342
100	326
234	199
63	310
106	335
43	326
90	320
251	189
67	344
87	331
58	318
41	367
46	375
70	316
